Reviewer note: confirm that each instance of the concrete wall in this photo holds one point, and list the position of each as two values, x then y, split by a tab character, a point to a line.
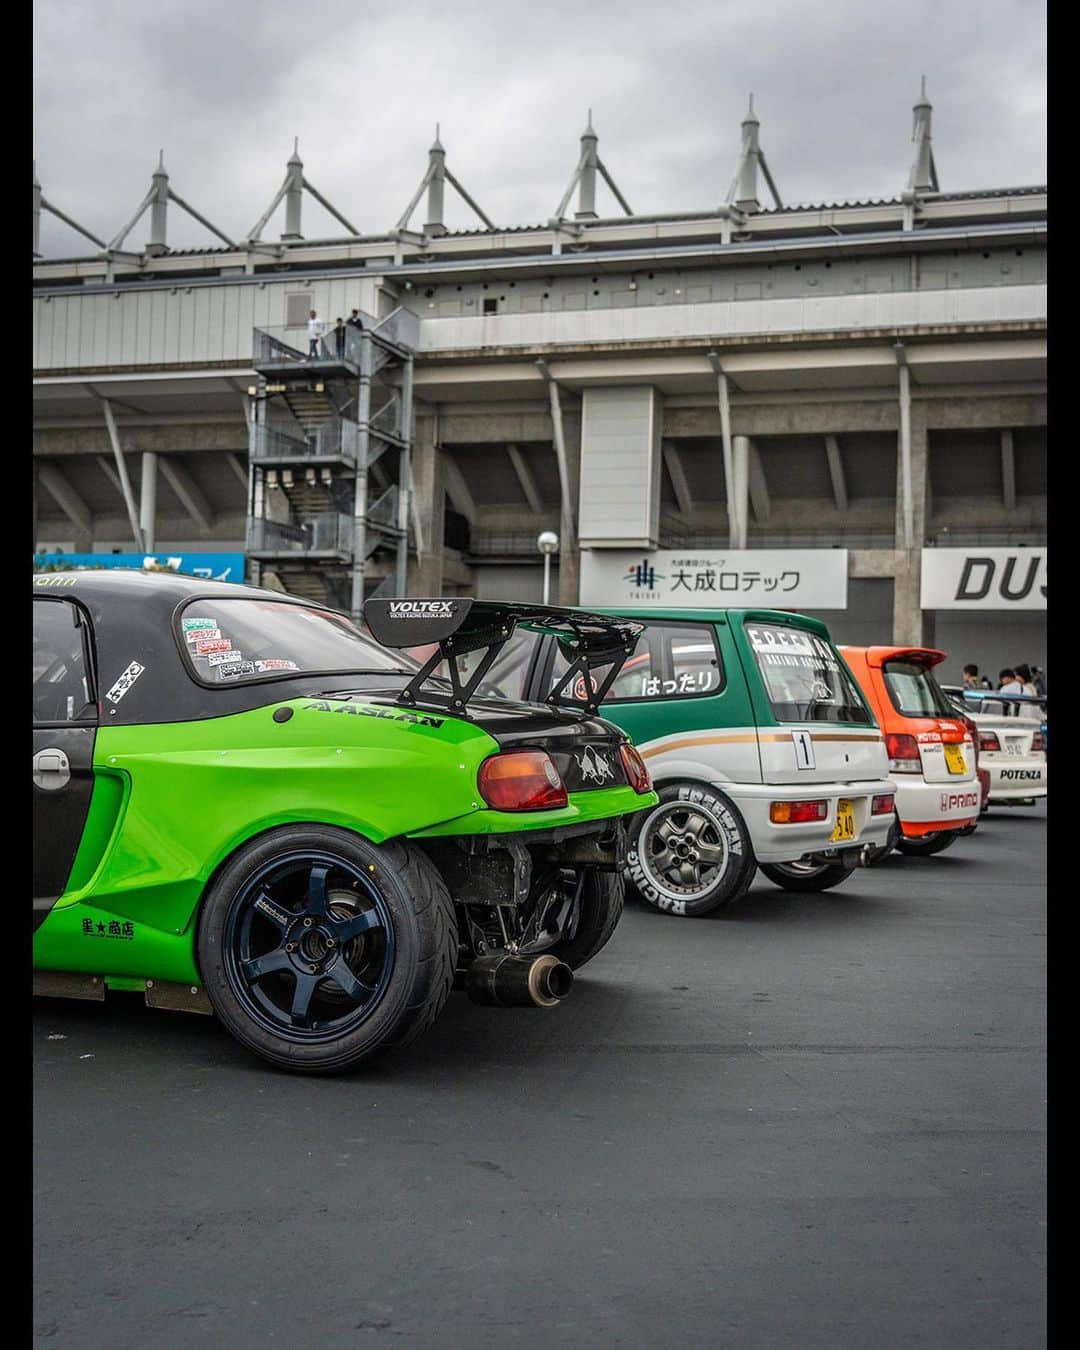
620	467
991	639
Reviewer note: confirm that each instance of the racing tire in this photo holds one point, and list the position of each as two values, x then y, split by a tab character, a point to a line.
318	949
928	844
690	854
601	908
798	876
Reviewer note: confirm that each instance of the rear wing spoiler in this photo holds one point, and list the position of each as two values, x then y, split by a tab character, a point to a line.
462	625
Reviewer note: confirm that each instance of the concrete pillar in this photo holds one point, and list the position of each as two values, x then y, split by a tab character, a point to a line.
569	551
908	625
426	573
740	488
148	501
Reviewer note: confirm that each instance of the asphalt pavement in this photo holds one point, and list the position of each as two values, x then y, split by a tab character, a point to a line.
811	1121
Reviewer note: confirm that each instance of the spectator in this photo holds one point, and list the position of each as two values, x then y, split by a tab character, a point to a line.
1023	674
1038	679
971	677
339	339
1008	683
354	321
315	329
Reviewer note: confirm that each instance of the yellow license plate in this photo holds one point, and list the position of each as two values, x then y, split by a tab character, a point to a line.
845	822
954	759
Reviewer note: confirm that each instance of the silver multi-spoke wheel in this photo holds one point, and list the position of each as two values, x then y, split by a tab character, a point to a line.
691	853
683	848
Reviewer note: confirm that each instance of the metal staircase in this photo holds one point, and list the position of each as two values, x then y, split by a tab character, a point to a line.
319	424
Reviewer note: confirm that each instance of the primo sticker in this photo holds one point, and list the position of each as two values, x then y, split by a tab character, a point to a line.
124	683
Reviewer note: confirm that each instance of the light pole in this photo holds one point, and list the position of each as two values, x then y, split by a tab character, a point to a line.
547	543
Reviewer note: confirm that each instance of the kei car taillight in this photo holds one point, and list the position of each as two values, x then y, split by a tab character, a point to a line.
1037	742
521	780
637	775
797	813
988	741
903	752
883	804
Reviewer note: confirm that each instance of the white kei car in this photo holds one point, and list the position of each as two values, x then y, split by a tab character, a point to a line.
1012	746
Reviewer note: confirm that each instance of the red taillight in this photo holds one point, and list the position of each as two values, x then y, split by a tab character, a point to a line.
637	775
903	752
797	813
521	780
988	741
883	805
1037	742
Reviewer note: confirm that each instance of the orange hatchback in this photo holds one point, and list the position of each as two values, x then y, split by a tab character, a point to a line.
931	752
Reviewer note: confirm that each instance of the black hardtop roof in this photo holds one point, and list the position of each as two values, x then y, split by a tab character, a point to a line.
102	583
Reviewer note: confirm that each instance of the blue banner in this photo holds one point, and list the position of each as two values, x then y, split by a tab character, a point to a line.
213	566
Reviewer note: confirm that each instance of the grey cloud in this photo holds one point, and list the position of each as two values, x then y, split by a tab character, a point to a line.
225	87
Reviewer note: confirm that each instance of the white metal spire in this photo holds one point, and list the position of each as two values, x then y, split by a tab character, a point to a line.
584	179
433	182
923	176
157	200
291	191
743	192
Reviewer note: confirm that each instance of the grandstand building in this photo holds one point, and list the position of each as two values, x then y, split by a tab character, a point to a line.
698	404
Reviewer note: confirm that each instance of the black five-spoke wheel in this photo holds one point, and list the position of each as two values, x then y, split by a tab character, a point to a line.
319	949
309	946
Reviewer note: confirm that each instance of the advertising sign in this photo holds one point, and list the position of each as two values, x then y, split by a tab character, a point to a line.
697	578
983	578
213	566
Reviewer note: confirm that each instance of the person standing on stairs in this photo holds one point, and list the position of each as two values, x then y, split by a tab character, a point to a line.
315	329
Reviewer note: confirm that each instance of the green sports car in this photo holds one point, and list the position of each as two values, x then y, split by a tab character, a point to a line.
246	804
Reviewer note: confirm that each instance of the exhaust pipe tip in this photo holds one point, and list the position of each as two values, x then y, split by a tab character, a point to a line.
503	980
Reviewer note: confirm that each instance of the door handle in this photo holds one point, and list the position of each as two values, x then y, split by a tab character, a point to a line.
51	770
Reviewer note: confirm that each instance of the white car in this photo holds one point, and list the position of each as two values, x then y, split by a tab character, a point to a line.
1012	747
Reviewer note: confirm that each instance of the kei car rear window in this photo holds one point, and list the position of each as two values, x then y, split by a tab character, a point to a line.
670	660
803	678
226	641
914	690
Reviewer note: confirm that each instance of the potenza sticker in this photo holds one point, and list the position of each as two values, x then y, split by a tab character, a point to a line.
204	646
421	609
124	683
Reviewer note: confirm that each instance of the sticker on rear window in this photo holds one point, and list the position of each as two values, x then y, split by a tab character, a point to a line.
225	658
207	645
202	634
235	671
190	625
276	663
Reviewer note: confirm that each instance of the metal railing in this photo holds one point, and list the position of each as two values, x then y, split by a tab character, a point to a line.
281	346
331	532
335	437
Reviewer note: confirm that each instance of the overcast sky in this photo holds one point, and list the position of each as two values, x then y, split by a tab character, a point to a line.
224	86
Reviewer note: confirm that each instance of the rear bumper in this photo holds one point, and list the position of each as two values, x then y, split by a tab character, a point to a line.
1017	779
927	808
787	843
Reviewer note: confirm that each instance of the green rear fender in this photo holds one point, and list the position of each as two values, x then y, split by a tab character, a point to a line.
198	790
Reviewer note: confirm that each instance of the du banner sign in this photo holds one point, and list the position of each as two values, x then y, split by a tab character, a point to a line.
697	578
984	578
